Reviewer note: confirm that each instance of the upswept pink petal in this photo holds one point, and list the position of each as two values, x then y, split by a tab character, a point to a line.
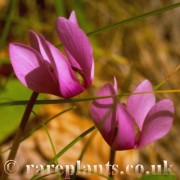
29	68
157	123
139	105
125	130
103	112
61	70
39	43
77	48
115	85
69	85
73	18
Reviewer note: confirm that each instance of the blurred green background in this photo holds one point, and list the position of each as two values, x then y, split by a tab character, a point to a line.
148	48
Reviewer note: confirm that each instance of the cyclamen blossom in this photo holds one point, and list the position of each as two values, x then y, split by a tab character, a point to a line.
43	68
117	122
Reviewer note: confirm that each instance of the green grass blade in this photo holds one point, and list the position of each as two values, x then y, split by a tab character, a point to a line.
83	153
71	144
47	132
49	137
61	101
28	134
66	149
161	83
135	18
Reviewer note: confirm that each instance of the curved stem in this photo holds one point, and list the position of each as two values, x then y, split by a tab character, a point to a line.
21	130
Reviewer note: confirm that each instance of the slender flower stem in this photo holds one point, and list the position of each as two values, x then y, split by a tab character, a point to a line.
21	130
111	162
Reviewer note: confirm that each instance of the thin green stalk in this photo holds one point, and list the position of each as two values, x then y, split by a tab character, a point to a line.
167	77
71	144
74	141
61	101
131	20
58	101
21	130
28	134
66	149
47	132
47	121
135	18
83	152
50	139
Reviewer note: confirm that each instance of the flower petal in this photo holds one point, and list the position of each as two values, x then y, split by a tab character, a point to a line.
39	43
125	137
30	69
138	105
77	47
115	85
73	18
68	83
157	123
104	114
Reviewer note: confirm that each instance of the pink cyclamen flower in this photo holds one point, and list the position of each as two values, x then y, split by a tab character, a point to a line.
117	122
43	68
